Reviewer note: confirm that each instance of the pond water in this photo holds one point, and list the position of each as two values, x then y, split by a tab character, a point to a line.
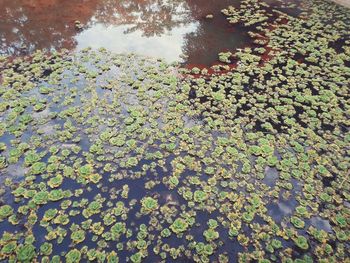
111	156
173	30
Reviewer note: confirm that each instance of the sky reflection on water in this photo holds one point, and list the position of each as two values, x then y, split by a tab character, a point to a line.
159	28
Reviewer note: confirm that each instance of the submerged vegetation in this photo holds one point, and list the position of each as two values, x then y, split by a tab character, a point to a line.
120	158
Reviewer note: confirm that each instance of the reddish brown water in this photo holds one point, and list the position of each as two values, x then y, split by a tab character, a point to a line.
167	29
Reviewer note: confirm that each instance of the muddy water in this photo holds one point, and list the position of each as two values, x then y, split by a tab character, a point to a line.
173	30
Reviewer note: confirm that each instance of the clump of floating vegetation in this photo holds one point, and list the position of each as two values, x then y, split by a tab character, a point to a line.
117	158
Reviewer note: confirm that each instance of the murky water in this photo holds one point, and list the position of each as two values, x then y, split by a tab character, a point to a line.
173	30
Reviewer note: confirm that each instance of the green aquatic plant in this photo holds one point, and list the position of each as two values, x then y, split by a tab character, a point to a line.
301	242
211	235
208	249
166	232
149	204
50	214
342	235
56	195
61	219
3	147
31	158
41	198
179	226
73	256
93	208
302	211
325	197
137	150
8	248
195	70
218	96
297	222
112	257
95	178
46	249
85	170
39	106
97	228
136	258
5	211
212	224
119	140
45	90
200	196
78	236
225	57
248	216
55	181
38	168
173	182
118	229
275	243
255	201
341	220
324	171
131	161
25	253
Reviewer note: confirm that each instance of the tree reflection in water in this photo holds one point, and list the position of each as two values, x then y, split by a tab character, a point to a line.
151	27
41	24
151	17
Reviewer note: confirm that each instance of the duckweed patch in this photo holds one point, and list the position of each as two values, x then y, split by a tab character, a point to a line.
119	158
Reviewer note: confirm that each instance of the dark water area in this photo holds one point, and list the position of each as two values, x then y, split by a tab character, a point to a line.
173	30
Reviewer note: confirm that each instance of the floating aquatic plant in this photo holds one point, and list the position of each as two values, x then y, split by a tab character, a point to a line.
5	211
25	253
73	256
116	157
149	204
78	236
211	235
301	242
179	226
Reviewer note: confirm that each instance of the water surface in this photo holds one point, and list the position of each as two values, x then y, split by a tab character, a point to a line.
173	30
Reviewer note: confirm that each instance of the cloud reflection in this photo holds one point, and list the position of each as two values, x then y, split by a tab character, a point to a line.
167	46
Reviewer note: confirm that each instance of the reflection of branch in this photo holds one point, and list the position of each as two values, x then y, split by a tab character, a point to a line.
151	30
150	17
